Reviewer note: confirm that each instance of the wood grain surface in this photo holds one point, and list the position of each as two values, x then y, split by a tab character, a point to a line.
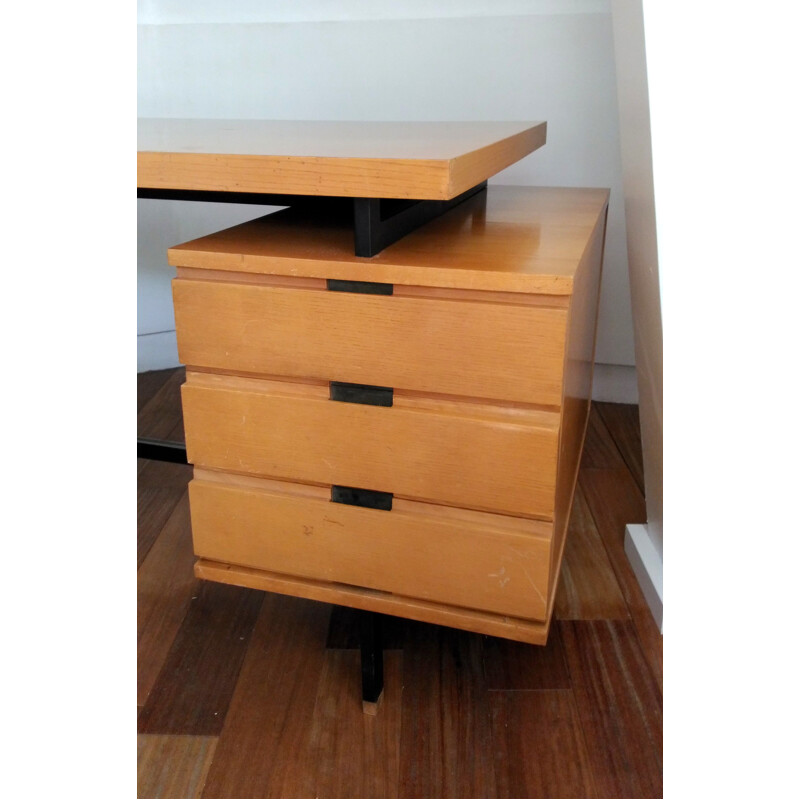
194	687
619	706
624	419
616	501
446	716
350	753
504	352
432	160
166	586
517	666
162	416
149	384
539	747
154	505
158	475
515	239
463	714
272	709
173	766
411	550
460	456
523	630
588	587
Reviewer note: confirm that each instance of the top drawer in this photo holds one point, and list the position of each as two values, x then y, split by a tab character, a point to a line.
490	350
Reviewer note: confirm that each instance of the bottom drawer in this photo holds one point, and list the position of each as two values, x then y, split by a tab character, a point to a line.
462	558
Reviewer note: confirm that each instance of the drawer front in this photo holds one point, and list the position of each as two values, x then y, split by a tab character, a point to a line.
475	349
445	453
411	550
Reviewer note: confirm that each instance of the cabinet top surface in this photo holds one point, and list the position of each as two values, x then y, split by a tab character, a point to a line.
434	160
508	238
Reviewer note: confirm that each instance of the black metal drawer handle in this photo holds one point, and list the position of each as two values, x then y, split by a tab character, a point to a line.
362	393
359	287
365	498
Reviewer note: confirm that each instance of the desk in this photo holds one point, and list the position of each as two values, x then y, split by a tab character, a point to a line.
398	433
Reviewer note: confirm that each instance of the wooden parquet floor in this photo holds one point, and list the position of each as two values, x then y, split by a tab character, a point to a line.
248	694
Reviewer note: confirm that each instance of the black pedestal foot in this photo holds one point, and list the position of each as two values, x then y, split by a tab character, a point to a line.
371	661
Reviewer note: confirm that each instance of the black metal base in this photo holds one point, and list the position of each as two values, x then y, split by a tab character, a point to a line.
377	222
371	660
156	450
202	195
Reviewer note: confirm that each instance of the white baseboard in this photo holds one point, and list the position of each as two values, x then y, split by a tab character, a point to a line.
615	383
648	568
156	351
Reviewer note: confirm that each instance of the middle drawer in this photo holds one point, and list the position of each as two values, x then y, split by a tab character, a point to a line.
464	454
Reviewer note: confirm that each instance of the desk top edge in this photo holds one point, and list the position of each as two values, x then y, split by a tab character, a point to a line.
415	160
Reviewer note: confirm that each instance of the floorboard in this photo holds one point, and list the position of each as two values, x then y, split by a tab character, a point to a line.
162	474
539	746
166	585
195	685
446	735
516	666
173	766
154	506
262	742
162	417
619	706
588	587
350	753
148	384
600	451
622	421
615	501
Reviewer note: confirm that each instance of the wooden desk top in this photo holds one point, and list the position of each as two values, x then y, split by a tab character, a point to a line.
420	160
508	238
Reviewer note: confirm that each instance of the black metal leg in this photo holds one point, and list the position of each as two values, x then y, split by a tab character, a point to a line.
371	660
379	223
157	450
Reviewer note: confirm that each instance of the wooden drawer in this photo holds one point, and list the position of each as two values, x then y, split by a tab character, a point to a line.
500	351
416	550
472	455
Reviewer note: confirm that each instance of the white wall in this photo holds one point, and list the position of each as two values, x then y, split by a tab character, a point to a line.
440	59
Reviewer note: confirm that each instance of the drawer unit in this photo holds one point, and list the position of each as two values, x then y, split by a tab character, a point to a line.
406	440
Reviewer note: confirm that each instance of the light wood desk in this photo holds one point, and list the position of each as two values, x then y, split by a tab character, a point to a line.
399	433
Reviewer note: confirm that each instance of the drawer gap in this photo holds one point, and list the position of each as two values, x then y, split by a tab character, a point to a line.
365	498
362	393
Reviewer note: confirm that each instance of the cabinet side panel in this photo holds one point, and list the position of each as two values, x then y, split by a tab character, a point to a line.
578	368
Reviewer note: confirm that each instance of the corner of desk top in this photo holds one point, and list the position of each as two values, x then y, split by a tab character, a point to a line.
472	168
